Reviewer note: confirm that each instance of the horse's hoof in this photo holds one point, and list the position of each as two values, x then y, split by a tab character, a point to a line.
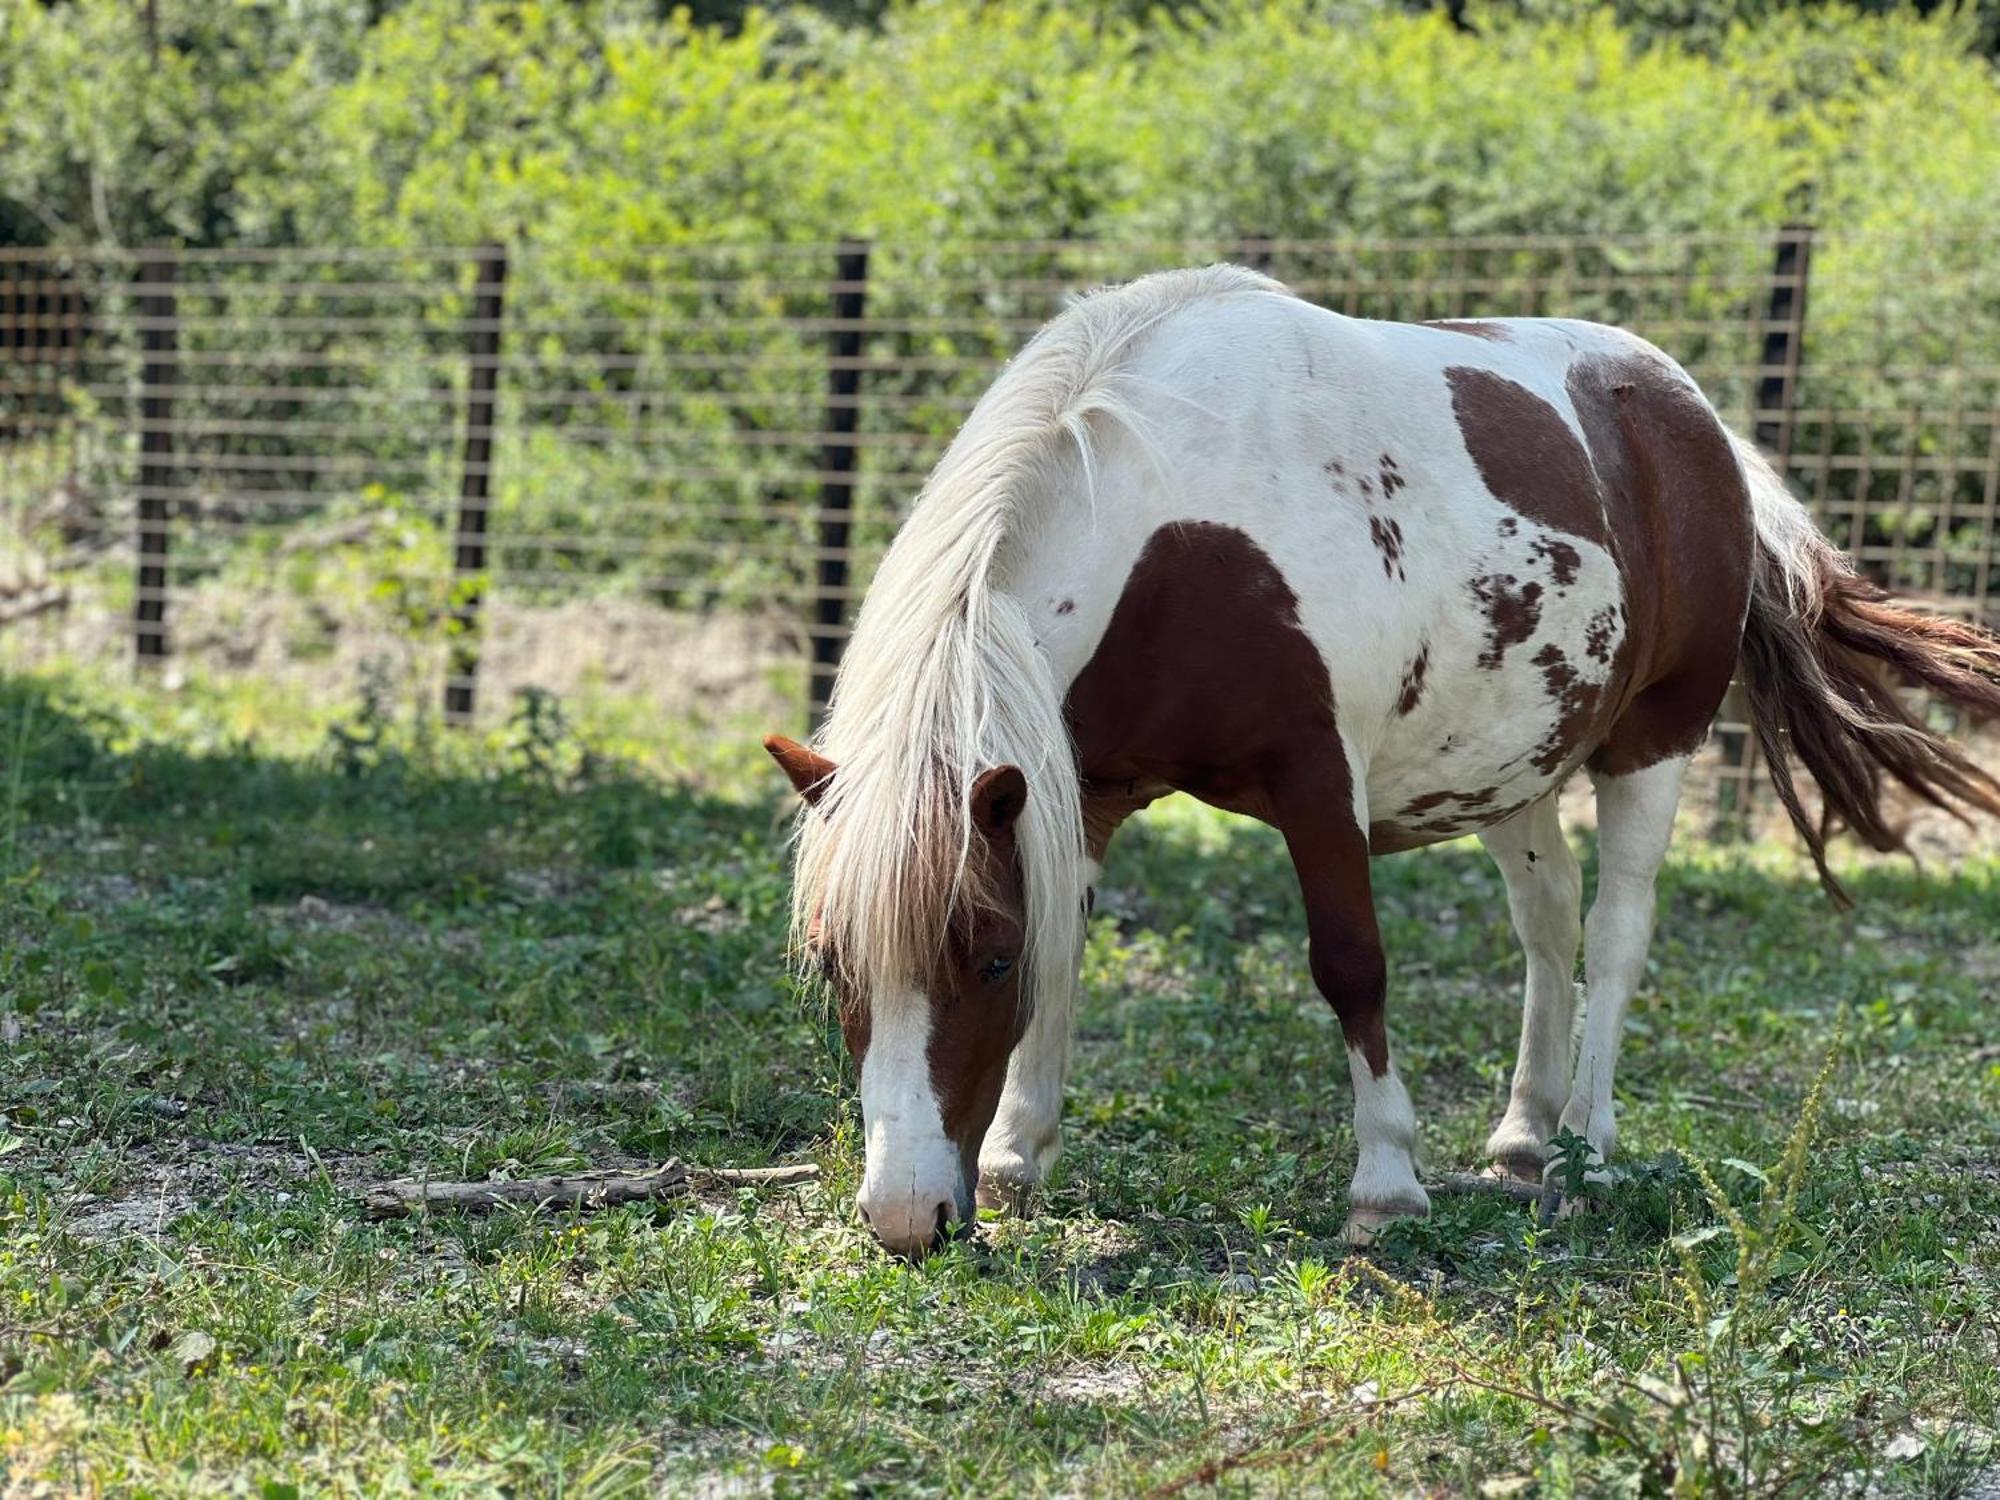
1517	1167
1366	1225
1013	1196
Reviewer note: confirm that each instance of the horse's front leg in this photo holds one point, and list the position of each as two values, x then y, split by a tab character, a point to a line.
1021	1144
1330	853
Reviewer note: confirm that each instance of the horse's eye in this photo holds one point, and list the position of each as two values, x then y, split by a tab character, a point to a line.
995	970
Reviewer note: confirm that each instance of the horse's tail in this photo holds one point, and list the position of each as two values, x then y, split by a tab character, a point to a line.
1822	649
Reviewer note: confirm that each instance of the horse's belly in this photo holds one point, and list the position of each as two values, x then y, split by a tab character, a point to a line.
1517	689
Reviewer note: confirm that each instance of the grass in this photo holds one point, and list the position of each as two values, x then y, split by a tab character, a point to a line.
247	965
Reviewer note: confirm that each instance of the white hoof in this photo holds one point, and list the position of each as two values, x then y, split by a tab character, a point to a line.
1517	1167
1365	1225
1006	1192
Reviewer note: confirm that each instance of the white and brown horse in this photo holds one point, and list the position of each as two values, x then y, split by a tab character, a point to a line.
1375	584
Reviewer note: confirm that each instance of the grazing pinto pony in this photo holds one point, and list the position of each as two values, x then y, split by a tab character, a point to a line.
1375	584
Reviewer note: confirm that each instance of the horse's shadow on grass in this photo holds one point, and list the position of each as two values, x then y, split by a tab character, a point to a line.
386	820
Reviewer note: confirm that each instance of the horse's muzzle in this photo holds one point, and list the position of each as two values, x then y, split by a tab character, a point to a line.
914	1227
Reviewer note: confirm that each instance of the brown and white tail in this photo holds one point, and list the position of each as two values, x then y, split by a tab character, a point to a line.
1823	652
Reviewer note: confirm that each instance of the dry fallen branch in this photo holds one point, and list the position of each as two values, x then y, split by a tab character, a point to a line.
1471	1185
586	1190
27	603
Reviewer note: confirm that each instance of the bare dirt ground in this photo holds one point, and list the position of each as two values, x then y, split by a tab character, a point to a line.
717	664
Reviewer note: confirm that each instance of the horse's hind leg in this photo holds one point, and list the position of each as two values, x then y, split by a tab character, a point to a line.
1635	820
1544	897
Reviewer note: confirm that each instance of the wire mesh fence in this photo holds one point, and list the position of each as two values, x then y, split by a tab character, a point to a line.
494	464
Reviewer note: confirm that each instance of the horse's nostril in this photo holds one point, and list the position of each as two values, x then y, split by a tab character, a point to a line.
864	1213
943	1230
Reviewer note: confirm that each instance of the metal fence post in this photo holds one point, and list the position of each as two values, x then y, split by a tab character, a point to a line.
474	484
159	343
836	481
1783	355
1781	360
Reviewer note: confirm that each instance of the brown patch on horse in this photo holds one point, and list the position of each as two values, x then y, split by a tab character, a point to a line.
1106	806
1413	681
1066	606
1597	637
1495	332
1680	517
1417	806
1387	535
1564	560
1391	476
1433	815
1205	682
1513	610
1526	453
1575	703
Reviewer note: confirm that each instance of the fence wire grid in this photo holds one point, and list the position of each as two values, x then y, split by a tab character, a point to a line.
264	457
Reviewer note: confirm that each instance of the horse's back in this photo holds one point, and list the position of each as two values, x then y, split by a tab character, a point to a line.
1516	543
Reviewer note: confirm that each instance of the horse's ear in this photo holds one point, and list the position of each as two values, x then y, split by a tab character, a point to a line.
810	772
997	799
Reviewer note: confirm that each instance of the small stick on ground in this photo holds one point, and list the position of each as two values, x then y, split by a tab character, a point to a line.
587	1190
1471	1185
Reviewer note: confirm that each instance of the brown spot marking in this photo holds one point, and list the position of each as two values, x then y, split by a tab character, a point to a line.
1367	487
1205	682
1436	815
1430	801
1575	702
1413	681
1563	559
1496	332
1334	467
1392	477
1527	454
1388	538
1509	526
1597	636
1066	606
1513	610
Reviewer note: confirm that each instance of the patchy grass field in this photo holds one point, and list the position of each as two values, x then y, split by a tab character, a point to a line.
248	965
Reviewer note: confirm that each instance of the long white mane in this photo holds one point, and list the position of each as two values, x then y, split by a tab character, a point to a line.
942	678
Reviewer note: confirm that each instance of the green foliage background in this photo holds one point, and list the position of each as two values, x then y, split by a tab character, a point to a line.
581	122
662	399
